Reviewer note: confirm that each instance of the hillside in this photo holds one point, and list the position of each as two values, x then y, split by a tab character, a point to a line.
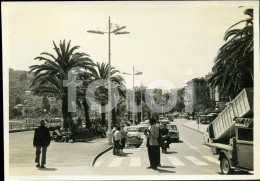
19	82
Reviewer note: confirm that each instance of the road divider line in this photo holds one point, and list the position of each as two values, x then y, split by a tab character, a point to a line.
135	162
116	162
195	160
212	159
175	161
192	147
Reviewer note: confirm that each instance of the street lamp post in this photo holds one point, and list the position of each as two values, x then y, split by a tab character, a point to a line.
137	73
141	104
117	31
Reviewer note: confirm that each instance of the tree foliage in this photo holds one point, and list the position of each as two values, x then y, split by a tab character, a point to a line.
234	65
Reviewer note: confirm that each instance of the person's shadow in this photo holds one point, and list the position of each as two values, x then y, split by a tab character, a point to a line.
125	154
47	169
164	171
171	152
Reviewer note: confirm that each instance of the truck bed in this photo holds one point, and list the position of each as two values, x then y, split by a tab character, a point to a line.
222	128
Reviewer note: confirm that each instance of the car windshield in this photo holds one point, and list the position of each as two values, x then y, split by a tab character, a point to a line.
133	129
172	127
142	129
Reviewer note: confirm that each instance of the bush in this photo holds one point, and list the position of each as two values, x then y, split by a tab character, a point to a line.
82	135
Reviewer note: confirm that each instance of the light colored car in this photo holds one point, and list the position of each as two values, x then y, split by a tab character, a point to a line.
133	136
173	132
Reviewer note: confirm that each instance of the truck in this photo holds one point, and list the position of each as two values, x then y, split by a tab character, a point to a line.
231	134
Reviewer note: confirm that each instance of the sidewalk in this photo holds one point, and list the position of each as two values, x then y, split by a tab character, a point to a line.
62	158
198	127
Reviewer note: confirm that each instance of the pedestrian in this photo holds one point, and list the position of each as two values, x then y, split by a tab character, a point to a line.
123	141
118	138
165	132
113	138
41	141
153	147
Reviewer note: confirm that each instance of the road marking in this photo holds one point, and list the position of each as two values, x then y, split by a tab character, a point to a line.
135	162
175	161
212	159
191	146
195	160
116	162
98	163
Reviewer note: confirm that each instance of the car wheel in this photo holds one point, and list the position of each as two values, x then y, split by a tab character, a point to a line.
225	166
137	146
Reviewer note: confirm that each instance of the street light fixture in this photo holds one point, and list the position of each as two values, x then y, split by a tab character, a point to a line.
116	32
137	73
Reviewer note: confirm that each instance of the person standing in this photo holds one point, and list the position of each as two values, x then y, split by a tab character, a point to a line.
124	137
114	142
152	144
118	138
41	141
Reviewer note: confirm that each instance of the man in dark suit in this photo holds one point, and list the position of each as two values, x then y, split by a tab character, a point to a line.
41	141
152	144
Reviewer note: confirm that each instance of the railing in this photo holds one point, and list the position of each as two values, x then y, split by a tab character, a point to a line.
27	125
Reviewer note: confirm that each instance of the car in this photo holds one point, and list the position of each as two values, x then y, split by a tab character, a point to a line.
133	136
173	132
141	130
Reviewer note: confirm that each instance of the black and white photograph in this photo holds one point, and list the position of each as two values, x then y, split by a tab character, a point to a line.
131	90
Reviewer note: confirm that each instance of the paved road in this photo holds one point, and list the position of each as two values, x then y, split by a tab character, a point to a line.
187	157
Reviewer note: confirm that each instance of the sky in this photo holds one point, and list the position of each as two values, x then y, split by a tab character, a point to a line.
168	42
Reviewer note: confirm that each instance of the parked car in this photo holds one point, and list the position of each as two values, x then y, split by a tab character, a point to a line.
173	132
133	136
141	130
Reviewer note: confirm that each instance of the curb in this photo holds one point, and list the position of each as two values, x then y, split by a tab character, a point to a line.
193	128
98	155
21	130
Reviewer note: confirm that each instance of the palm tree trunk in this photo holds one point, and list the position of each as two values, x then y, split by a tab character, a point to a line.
139	117
128	102
103	114
65	112
113	111
86	111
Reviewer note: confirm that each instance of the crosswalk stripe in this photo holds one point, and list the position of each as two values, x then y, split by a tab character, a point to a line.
135	162
175	161
195	160
116	162
98	163
210	158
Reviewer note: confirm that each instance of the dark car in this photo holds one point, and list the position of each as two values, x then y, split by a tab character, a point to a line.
173	132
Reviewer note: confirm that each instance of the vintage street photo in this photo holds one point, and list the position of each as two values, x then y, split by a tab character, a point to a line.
131	90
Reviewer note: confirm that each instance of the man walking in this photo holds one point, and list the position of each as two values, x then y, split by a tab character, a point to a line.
41	141
152	144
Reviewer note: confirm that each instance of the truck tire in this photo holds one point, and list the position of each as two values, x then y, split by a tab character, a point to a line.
225	166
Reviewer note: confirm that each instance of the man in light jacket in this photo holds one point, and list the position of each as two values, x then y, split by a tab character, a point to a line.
152	144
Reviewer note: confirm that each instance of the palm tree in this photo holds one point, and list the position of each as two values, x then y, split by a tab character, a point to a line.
101	72
49	76
233	68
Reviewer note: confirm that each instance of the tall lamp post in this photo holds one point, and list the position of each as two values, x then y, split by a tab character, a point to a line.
117	31
137	73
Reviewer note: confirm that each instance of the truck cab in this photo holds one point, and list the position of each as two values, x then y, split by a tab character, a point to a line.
238	154
244	147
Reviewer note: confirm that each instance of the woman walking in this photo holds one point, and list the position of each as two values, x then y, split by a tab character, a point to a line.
123	140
